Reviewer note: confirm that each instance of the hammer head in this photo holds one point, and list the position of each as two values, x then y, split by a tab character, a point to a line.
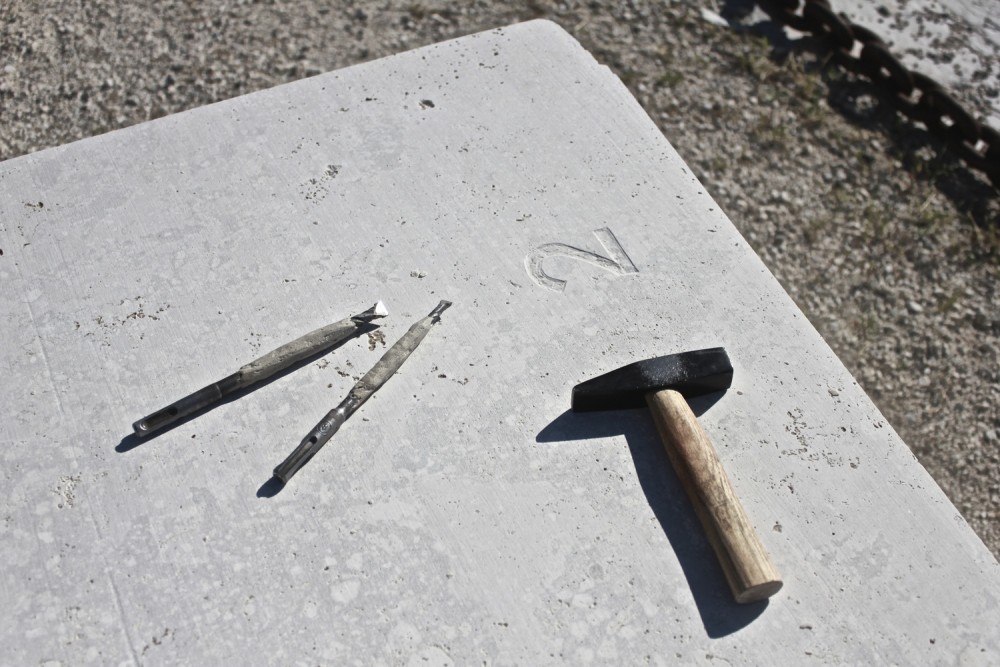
690	373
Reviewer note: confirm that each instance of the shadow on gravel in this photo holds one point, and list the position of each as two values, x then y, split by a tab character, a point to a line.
859	102
924	156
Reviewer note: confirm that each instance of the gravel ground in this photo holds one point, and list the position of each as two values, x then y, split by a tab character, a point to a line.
888	244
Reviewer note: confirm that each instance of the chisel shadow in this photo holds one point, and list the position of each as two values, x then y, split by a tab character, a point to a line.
131	441
720	613
270	488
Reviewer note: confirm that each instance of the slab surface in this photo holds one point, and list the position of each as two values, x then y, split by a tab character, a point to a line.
463	516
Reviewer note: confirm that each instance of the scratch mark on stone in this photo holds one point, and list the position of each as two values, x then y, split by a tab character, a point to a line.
122	617
44	354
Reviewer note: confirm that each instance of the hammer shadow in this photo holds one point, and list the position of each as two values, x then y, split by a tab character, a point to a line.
131	441
720	613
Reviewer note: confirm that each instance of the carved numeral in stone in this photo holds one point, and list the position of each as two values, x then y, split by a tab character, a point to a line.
617	262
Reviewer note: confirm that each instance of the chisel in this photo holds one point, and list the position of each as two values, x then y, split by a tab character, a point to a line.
260	369
362	391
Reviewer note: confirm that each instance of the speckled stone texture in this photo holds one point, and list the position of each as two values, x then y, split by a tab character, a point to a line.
463	515
885	240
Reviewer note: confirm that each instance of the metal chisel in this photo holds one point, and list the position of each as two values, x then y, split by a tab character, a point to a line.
362	391
260	369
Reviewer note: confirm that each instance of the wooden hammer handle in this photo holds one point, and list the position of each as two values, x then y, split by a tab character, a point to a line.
750	572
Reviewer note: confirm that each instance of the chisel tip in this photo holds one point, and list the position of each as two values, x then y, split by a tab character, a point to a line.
440	308
373	313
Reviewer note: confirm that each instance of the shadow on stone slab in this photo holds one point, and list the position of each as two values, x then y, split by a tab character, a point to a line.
270	488
720	613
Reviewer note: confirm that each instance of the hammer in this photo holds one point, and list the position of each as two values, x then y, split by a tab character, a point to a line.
663	384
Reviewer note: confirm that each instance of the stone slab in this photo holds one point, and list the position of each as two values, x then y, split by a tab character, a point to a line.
463	516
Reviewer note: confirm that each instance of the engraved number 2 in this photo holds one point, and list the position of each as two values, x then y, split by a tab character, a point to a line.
617	262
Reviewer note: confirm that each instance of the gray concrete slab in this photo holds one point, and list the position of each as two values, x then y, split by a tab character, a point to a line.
462	516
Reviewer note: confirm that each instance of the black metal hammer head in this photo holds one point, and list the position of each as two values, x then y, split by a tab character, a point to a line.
691	373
